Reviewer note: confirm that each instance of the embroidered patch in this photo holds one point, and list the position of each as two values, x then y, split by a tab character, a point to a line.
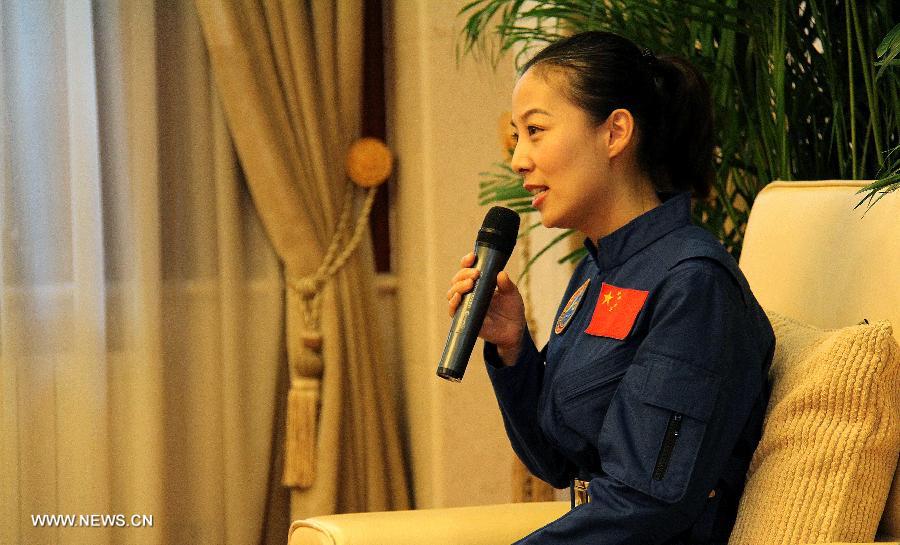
571	307
615	312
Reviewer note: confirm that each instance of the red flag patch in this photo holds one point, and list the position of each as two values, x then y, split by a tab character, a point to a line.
615	312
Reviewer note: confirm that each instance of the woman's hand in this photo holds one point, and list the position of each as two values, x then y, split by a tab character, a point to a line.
504	323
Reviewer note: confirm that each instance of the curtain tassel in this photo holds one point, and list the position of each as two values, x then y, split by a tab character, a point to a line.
302	430
302	418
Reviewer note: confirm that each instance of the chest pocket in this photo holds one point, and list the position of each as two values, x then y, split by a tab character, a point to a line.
583	395
655	426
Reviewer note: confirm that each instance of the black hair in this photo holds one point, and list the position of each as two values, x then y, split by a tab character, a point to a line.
668	98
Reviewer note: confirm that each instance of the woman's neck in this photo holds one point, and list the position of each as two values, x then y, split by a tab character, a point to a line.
636	198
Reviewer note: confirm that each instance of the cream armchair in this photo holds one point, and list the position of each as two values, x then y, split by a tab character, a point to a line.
808	255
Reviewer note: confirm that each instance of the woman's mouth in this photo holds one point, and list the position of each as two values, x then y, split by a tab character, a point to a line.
539	192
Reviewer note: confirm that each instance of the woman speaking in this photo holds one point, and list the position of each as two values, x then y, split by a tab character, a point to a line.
649	397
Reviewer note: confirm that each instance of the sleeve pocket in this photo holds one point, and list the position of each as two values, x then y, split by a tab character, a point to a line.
654	428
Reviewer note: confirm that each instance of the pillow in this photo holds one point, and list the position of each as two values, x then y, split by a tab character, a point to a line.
824	465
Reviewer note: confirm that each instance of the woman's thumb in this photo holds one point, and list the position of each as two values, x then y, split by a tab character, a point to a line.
505	283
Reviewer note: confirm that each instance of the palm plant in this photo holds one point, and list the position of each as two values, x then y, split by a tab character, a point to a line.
797	91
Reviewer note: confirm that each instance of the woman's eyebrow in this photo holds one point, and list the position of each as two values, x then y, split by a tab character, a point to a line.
530	112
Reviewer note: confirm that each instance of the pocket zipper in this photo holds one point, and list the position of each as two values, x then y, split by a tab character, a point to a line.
665	453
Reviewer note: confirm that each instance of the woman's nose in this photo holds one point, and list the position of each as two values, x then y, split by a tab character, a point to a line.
520	162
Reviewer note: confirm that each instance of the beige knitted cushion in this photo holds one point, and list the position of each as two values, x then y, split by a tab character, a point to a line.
823	468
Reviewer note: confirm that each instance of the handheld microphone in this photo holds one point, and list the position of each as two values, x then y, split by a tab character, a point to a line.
495	243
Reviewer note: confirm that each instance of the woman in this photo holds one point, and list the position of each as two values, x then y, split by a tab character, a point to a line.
651	391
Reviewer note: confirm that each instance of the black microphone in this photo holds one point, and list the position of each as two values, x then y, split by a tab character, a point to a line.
495	242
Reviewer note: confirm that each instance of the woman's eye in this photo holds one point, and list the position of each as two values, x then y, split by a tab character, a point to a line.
531	130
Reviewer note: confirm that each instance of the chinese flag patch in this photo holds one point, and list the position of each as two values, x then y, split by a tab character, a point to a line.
615	311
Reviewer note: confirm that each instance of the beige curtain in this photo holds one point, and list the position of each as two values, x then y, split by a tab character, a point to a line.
289	75
140	302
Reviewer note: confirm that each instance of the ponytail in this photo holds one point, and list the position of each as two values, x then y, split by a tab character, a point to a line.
683	141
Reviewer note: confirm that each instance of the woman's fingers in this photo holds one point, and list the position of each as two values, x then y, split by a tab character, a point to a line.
461	286
463	281
464	274
454	302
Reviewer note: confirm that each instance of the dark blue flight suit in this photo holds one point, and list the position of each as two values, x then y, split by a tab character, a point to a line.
662	423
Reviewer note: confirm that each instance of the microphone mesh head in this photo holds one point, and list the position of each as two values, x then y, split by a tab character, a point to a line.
500	229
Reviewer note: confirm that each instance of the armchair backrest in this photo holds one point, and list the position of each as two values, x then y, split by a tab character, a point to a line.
810	255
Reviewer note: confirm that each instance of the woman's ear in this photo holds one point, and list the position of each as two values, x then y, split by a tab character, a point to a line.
620	128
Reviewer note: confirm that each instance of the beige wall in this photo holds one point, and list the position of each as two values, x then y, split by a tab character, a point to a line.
443	122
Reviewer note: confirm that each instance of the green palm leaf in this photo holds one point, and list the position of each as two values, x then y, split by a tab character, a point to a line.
794	82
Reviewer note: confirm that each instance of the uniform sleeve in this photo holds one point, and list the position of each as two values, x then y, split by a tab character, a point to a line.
518	391
676	416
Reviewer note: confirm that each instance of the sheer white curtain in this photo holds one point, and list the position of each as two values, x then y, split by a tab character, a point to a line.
140	302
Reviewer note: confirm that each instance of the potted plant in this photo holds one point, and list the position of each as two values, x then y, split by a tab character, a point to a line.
802	89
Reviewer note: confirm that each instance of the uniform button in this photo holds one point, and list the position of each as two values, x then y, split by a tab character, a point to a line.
712	493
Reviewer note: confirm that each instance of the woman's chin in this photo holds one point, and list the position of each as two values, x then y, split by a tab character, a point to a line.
553	222
548	220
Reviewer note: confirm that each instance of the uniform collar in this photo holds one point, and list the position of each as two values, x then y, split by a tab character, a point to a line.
618	246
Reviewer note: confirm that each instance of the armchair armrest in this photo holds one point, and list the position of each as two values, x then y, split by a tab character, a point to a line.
481	525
